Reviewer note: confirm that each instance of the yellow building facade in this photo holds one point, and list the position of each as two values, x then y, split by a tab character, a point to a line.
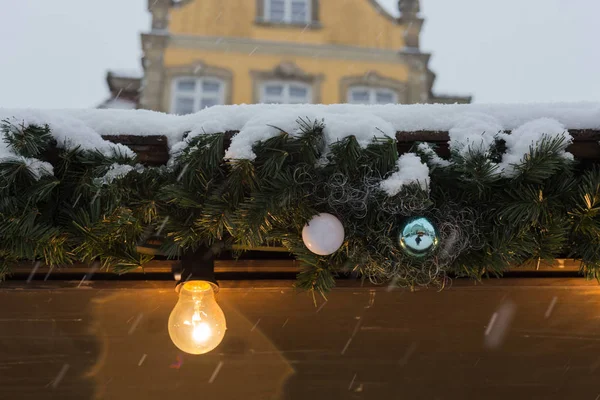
201	53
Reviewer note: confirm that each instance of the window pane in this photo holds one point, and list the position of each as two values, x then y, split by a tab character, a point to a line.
187	85
278	5
359	96
210	87
273	90
209	102
299	10
298	91
384	97
276	16
184	105
277	10
299	18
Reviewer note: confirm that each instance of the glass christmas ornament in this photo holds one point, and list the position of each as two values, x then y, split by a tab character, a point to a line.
418	237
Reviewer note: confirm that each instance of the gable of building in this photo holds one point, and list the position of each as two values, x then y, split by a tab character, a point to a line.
361	23
206	52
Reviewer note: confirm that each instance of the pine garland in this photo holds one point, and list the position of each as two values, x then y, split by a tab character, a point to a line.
61	205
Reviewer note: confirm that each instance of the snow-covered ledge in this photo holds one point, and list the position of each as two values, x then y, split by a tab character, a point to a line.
252	123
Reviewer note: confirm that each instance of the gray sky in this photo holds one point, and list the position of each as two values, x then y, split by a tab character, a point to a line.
54	53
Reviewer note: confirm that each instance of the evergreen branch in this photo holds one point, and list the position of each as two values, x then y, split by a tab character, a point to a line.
476	172
544	159
27	140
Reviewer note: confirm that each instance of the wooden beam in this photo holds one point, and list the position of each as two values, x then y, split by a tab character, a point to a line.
151	150
585	144
156	251
165	266
154	150
353	285
261	266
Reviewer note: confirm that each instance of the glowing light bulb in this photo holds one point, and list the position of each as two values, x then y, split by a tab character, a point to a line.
197	324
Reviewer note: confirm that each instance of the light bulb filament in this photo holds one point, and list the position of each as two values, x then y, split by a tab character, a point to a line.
201	332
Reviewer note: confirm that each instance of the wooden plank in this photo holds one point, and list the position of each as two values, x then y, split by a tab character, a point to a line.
257	266
154	151
585	144
560	264
283	284
155	250
584	135
264	266
137	140
151	150
165	266
585	150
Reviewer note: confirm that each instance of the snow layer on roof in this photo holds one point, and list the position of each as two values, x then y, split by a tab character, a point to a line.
434	117
463	121
263	126
69	132
474	132
127	73
118	104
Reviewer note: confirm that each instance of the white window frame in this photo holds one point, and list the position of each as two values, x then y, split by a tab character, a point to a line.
287	14
285	96
197	95
372	94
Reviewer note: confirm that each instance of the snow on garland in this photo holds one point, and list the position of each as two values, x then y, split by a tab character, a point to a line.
474	132
434	159
499	200
363	127
85	127
69	132
410	171
520	141
118	171
36	167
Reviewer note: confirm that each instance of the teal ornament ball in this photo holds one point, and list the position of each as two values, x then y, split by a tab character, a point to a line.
418	237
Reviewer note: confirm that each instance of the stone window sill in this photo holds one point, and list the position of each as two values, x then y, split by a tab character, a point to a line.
311	25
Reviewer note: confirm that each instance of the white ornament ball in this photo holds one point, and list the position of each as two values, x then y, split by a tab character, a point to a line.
323	235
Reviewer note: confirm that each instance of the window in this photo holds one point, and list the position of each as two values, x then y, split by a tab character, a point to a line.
367	95
194	94
285	93
285	83
288	11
